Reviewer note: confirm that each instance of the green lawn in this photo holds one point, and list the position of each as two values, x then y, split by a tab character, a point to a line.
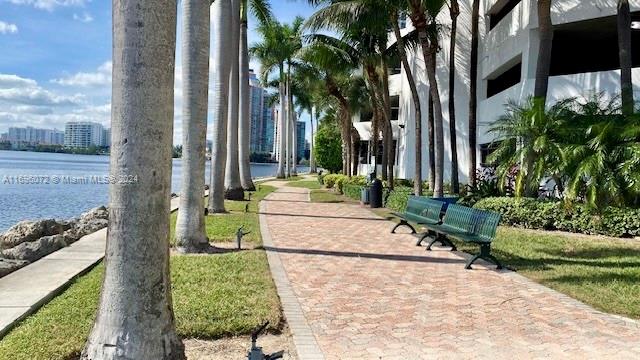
223	227
601	272
213	296
326	196
308	184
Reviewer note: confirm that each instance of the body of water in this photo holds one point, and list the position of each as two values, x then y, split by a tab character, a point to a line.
36	200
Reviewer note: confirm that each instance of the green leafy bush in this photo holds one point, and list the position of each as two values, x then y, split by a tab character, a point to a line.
340	181
330	180
398	198
328	147
554	215
352	191
321	178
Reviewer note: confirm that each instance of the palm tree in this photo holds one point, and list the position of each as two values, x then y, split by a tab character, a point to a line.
603	156
220	102
261	10
544	52
473	93
244	136
135	316
233	187
274	52
423	15
454	12
417	177
312	157
524	134
190	227
624	46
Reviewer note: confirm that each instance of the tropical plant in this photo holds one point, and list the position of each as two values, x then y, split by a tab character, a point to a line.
328	144
222	26
532	141
603	155
135	302
190	227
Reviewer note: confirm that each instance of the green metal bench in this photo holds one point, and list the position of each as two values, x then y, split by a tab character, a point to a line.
468	225
420	210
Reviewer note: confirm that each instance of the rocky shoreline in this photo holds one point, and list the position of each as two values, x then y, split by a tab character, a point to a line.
29	241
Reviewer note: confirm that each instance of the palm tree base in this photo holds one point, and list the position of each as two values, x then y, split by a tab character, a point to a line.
251	187
234	194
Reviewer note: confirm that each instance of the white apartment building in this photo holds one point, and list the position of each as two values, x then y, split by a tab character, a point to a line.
33	136
83	134
584	61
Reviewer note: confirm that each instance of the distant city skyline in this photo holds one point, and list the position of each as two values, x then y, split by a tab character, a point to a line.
56	63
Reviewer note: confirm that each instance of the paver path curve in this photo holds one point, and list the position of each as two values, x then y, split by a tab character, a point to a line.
367	294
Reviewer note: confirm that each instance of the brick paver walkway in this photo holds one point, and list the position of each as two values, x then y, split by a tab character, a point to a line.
367	294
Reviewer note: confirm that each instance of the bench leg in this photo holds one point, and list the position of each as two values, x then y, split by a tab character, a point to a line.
422	238
403	223
436	238
442	240
485	253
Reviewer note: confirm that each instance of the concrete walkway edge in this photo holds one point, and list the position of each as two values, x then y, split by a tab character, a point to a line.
303	338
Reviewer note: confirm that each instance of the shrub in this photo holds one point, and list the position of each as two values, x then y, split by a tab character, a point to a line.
398	198
554	215
352	191
340	181
328	147
358	180
330	180
321	178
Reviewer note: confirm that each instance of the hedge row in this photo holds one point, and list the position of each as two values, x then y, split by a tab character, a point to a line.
352	191
554	215
338	181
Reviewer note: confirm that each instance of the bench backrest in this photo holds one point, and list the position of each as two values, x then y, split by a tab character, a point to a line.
425	207
486	224
459	217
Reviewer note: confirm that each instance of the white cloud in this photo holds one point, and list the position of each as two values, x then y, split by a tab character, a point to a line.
85	17
8	81
49	5
101	77
7	28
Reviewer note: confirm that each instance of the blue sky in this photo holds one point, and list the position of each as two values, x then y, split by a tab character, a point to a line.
56	60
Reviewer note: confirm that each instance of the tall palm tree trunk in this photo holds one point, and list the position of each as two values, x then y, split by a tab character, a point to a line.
545	29
454	11
233	186
429	47
288	127
624	46
244	136
281	127
417	177
190	227
312	158
430	64
220	103
473	93
391	154
294	135
135	316
432	148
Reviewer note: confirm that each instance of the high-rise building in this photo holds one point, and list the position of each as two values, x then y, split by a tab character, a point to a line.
33	136
300	138
262	120
84	134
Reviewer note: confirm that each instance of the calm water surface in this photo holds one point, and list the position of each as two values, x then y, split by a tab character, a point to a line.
36	201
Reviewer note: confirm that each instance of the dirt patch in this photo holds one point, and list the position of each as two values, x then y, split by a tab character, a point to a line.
236	348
